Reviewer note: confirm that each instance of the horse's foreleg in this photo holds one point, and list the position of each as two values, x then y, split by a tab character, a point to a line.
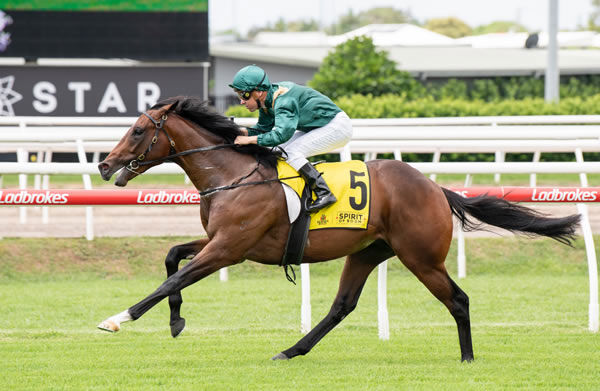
356	270
175	255
212	258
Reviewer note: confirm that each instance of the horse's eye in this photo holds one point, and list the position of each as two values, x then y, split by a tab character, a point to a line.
138	131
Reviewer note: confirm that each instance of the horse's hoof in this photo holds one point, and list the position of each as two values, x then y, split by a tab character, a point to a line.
109	325
468	359
280	356
177	327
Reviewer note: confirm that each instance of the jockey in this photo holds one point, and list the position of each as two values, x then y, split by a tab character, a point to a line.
302	121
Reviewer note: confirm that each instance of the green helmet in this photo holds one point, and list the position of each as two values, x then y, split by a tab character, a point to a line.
251	78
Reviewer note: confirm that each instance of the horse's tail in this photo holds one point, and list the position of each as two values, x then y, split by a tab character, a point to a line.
510	216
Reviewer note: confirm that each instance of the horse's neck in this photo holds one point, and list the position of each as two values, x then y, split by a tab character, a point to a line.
210	169
217	168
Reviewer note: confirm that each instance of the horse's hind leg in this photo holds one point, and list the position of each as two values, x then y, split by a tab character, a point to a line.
175	255
356	270
460	312
435	277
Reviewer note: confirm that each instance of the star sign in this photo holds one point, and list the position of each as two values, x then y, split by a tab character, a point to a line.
8	97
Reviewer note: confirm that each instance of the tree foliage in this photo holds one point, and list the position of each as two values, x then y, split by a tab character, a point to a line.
282	26
347	22
594	20
450	27
380	15
499	27
357	67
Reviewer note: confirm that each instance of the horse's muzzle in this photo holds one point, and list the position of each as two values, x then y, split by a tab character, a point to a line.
108	168
105	171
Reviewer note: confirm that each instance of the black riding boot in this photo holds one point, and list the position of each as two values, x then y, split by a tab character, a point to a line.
319	186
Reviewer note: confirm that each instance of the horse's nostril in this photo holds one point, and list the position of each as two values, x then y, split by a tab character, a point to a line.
103	168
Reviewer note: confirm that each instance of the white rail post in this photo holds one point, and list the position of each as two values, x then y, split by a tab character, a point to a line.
382	310
37	178
460	240
305	309
87	184
533	176
593	310
499	157
46	185
223	274
22	158
345	154
383	320
436	159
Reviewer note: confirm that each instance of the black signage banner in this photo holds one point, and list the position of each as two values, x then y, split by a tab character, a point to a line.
147	36
94	91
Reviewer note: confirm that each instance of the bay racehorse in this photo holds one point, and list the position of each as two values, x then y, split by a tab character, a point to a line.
244	214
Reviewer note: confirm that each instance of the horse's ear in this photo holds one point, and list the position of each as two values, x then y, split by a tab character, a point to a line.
170	106
178	104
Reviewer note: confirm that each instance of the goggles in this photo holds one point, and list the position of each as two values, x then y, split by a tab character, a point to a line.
244	95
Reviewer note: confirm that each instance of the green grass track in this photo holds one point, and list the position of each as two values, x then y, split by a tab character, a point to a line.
529	301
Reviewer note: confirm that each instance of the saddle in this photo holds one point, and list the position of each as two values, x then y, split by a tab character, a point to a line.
349	182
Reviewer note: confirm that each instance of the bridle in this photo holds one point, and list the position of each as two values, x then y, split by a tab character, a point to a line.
137	162
140	160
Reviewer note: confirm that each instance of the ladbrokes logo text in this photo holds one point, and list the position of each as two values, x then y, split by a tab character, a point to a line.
163	197
569	195
24	197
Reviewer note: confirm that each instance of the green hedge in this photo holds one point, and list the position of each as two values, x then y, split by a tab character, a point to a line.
502	88
394	106
240	111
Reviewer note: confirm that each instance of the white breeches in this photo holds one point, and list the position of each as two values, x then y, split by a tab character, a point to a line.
334	135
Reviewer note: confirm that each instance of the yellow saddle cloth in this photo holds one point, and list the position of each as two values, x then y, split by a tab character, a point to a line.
349	182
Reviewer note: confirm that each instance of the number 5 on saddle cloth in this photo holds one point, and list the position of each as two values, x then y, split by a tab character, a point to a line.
348	181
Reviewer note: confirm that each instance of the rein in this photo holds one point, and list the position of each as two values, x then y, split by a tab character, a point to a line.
140	160
236	184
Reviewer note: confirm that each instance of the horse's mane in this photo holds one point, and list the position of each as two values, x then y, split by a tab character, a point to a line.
197	111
